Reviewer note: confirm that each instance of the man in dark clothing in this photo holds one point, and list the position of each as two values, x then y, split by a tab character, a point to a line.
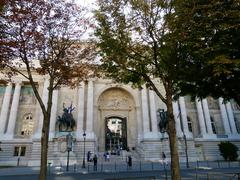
130	162
95	162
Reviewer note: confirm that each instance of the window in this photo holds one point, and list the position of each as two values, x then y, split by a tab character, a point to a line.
19	151
16	151
189	122
22	151
213	125
27	125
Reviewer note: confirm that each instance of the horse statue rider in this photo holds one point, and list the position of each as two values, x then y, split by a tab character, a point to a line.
67	121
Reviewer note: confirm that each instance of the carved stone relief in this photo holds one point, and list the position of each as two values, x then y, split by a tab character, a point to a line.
115	99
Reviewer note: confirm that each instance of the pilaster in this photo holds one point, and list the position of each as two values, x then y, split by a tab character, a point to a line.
5	108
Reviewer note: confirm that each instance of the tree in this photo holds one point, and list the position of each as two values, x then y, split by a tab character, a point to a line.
136	46
209	34
43	36
228	151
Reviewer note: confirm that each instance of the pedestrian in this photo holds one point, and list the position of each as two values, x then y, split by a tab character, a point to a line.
88	156
108	156
129	161
105	156
95	162
164	158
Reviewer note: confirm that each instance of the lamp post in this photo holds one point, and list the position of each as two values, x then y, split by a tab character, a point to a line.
84	140
69	148
186	149
163	125
185	143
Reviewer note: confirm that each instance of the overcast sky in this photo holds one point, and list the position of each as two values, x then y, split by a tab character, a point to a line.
86	2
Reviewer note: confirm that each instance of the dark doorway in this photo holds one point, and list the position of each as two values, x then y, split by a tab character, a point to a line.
115	134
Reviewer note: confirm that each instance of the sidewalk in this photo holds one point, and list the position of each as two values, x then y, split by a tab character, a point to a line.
119	167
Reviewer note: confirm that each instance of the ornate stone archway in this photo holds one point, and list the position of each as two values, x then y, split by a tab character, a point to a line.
116	102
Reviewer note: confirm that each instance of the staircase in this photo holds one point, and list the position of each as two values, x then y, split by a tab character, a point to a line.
118	158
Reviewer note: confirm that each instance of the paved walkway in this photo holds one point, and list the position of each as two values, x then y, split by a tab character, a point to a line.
119	170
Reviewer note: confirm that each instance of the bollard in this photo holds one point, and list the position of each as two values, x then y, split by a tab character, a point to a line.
197	164
88	168
208	176
49	168
165	170
18	161
74	167
140	166
218	163
152	166
196	177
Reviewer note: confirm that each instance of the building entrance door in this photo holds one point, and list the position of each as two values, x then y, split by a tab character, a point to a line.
115	134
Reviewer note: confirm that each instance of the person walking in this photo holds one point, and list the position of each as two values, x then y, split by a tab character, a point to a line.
88	156
108	156
130	162
95	162
164	160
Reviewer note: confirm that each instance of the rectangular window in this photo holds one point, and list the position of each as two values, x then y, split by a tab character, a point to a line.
19	151
16	151
23	151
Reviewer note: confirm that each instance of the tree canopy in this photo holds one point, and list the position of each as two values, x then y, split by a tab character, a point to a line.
137	46
39	36
209	35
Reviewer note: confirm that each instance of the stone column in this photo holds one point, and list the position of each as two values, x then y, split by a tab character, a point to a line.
80	117
153	112
200	117
38	133
231	118
89	123
5	108
224	116
145	111
53	114
177	118
13	111
207	116
184	116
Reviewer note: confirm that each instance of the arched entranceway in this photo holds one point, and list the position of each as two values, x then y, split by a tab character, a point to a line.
116	109
115	133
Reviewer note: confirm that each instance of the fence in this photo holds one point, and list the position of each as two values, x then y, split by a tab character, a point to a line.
147	166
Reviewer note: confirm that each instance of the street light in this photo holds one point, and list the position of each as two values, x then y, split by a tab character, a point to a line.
163	125
185	143
84	140
186	149
69	147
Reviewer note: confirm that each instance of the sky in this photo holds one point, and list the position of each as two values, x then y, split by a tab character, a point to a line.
86	3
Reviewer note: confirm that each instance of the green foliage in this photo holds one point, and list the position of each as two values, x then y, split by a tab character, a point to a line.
137	47
209	35
228	151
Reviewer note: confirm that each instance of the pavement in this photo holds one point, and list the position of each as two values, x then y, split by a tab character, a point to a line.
119	171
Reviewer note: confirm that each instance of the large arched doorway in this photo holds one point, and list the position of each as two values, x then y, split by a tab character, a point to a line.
116	125
115	133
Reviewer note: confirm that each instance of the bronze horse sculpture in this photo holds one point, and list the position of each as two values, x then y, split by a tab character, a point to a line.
66	122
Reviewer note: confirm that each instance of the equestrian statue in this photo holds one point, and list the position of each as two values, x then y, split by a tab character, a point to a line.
66	122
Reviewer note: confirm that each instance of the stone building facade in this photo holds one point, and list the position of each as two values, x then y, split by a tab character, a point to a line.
112	116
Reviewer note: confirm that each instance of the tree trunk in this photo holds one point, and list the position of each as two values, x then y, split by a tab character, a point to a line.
44	149
175	168
45	135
